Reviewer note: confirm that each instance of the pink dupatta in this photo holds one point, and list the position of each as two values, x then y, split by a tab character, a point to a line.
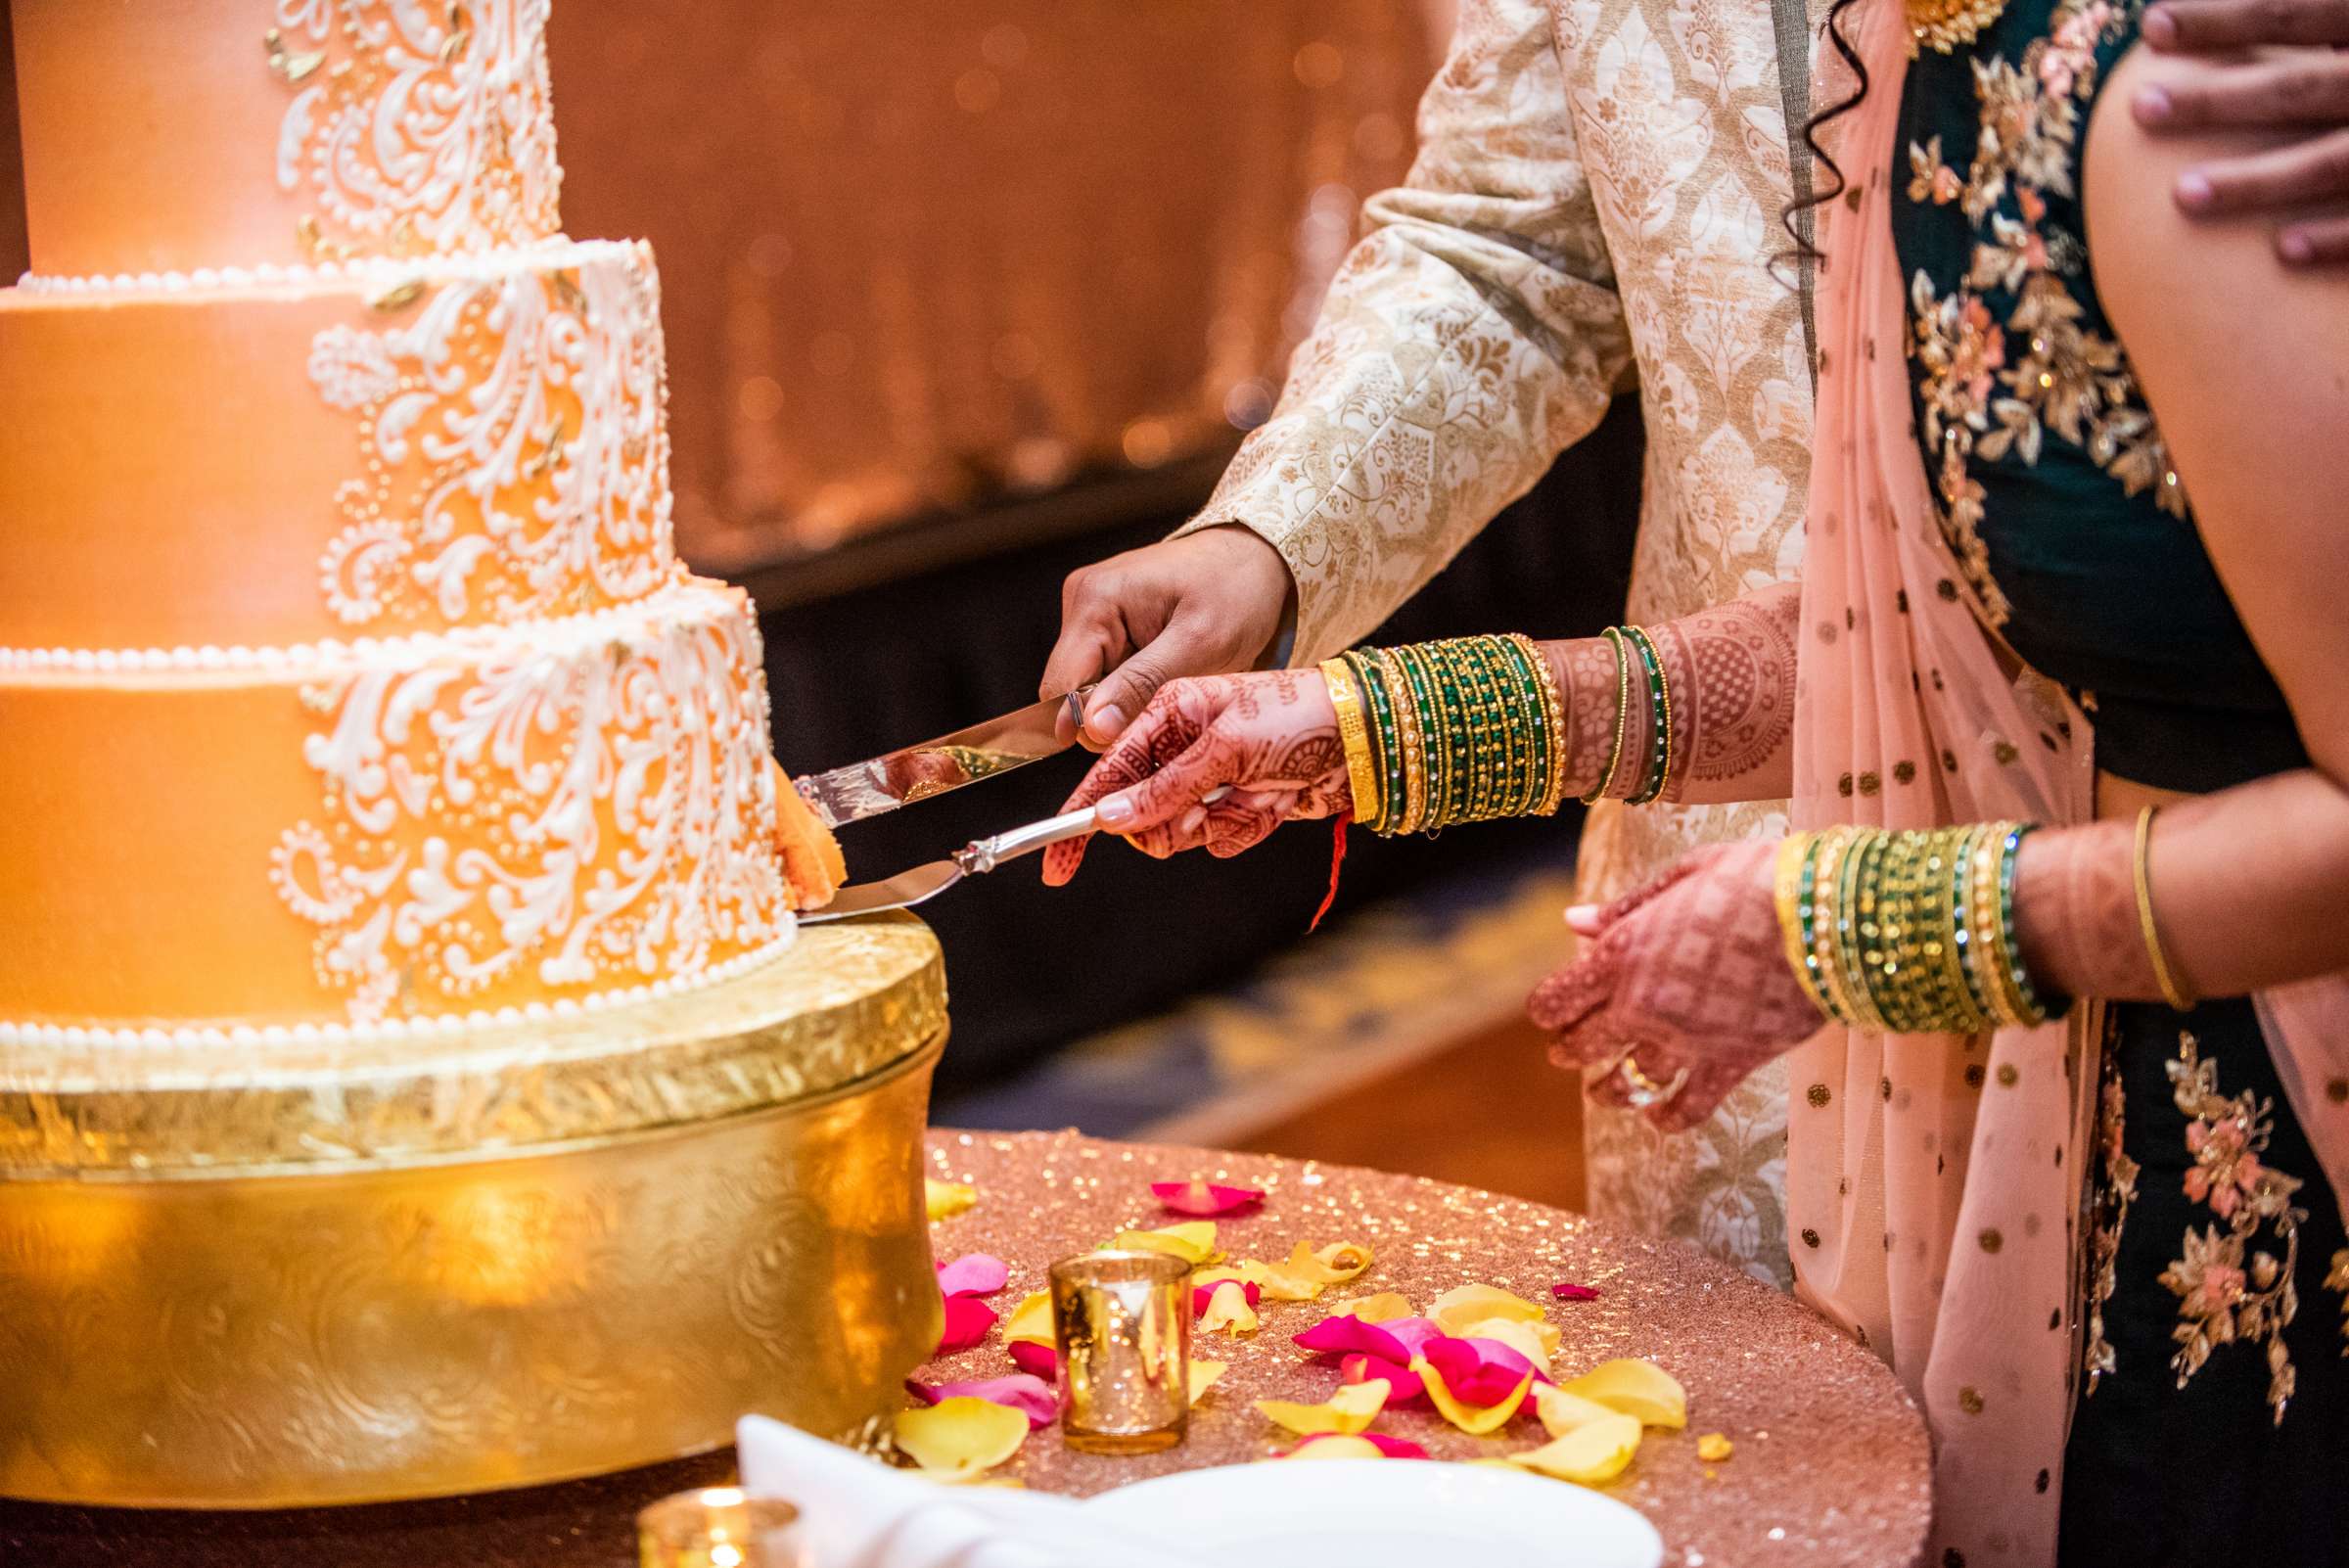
1934	1182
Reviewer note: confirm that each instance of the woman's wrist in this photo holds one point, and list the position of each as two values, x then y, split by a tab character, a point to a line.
2076	914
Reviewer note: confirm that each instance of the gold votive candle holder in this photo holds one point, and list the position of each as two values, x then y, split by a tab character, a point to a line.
1123	1324
720	1527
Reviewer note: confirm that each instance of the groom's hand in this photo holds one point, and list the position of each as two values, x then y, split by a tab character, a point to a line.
1210	603
2303	93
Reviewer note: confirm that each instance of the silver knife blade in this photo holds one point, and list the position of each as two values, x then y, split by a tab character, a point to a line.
912	773
901	892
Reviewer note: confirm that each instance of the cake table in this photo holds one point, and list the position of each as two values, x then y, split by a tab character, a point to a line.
1831	1464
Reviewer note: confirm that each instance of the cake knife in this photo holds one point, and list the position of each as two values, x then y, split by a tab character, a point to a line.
912	773
926	882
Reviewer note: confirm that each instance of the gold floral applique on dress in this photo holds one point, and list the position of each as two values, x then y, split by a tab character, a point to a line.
1992	387
2108	1211
2229	1282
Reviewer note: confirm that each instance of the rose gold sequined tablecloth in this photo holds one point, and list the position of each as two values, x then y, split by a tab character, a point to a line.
1830	1467
1832	1464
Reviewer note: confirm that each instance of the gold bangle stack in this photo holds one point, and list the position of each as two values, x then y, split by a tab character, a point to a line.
1361	763
1438	733
1906	933
2173	991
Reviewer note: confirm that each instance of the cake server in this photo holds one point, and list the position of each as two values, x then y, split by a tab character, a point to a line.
926	882
912	773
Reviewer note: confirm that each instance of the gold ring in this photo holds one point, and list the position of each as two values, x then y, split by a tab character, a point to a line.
1645	1093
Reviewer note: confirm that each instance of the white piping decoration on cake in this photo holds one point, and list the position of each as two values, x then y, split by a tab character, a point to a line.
552	250
417	124
331	653
618	804
441	1026
514	444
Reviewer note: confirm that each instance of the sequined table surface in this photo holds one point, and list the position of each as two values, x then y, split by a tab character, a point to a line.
1831	1464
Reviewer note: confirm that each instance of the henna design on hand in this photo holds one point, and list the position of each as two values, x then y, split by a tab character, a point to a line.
1732	675
1273	737
1689	972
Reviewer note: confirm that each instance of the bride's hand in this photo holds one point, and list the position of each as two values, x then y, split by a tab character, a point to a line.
1273	737
1685	976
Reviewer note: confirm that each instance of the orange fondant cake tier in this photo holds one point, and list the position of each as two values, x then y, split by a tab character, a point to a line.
166	135
431	828
387	449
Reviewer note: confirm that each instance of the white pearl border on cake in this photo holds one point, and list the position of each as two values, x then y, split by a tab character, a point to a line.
442	1025
437	268
679	598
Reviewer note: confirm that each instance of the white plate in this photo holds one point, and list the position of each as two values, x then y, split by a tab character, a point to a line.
1385	1513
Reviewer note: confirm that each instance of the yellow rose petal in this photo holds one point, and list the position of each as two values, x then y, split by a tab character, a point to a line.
946	1199
1637	1388
1474	1419
1333	1264
1454	1309
1590	1455
1562	1412
1349	1410
1031	1319
1204	1375
961	1436
1383	1307
1335	1446
1714	1446
1228	1311
1525	1338
1280	1283
1248	1272
1193	1241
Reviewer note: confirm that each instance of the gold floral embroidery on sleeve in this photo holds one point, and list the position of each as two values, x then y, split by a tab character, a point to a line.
2229	1283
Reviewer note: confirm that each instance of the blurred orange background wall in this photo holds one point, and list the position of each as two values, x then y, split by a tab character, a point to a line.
924	257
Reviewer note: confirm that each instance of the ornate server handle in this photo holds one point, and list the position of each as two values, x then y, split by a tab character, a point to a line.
988	853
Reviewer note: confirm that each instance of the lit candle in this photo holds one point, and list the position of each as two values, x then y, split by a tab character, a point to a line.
720	1527
1122	1321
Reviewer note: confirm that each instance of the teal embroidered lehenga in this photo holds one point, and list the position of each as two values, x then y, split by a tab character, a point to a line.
2213	1406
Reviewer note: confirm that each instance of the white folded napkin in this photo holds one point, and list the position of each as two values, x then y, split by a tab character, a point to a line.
856	1512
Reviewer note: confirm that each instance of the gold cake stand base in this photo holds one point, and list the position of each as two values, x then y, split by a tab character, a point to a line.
508	1263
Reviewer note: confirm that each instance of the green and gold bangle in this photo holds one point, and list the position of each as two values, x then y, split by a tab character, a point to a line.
1906	933
1659	718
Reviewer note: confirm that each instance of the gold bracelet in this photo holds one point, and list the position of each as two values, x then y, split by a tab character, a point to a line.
1411	809
1361	767
1623	708
1793	849
2176	995
1554	712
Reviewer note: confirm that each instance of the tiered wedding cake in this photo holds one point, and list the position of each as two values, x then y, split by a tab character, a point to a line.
410	1081
348	679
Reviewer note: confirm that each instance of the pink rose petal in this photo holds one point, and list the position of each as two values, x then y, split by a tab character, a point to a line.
1020	1392
1567	1290
1345	1335
1393	1447
1404	1385
1479	1371
1037	1360
1201	1295
1413	1332
968	1318
1205	1199
976	1274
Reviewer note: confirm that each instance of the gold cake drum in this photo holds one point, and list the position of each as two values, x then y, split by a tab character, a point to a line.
300	1274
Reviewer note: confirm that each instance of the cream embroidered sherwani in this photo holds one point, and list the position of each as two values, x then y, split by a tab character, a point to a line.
1596	204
